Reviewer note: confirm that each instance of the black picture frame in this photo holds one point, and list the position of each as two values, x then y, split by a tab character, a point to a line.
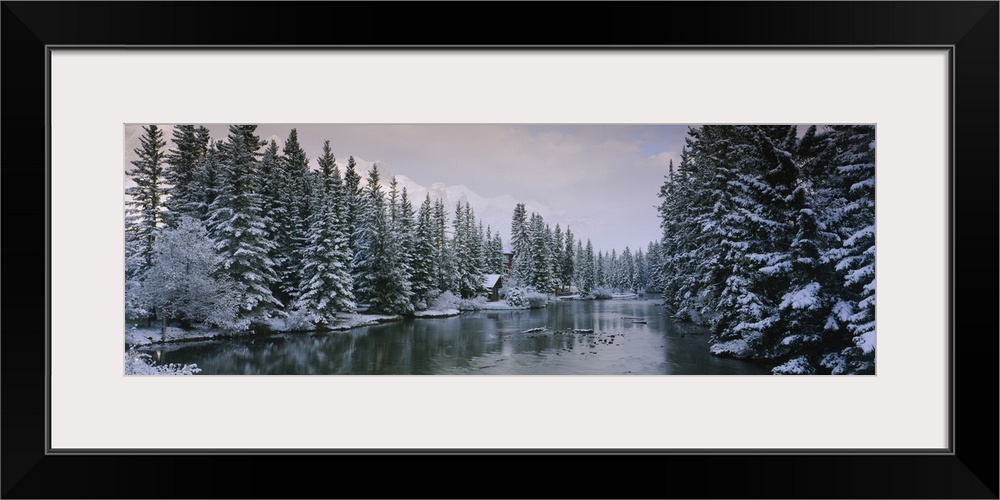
969	470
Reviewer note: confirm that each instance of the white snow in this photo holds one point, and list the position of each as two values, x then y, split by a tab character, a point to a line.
437	313
797	366
866	341
803	298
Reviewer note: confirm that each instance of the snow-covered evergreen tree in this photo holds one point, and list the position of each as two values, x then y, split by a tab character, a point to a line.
424	261
853	214
353	206
144	203
588	270
239	226
520	244
183	192
382	279
769	237
446	271
540	275
468	276
568	260
326	285
291	195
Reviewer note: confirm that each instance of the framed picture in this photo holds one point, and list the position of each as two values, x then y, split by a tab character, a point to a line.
923	73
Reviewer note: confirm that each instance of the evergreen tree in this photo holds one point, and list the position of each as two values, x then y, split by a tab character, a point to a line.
769	238
292	194
540	275
556	243
600	277
578	265
207	184
238	224
183	191
144	204
520	244
353	205
852	212
446	271
588	270
424	281
568	260
382	277
277	203
326	286
469	278
626	272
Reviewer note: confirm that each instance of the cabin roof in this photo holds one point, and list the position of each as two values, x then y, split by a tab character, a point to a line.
490	280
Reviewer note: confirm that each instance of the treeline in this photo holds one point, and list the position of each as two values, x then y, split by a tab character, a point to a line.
769	237
239	231
547	259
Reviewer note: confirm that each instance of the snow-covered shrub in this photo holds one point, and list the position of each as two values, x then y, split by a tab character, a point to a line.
514	296
299	320
138	363
182	281
737	348
524	296
535	299
473	304
446	300
795	366
602	293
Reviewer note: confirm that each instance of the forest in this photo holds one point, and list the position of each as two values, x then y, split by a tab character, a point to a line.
767	238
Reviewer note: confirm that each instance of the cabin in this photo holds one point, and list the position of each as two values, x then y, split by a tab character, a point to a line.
492	283
508	259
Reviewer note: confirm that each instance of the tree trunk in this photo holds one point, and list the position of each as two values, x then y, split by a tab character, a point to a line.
163	328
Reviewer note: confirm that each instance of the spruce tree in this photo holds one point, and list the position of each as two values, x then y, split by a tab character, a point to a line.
239	226
383	280
191	147
520	244
144	207
424	281
326	285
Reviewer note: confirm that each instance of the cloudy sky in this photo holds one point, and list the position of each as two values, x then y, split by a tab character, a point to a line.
600	180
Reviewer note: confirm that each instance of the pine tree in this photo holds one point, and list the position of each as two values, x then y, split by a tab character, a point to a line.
588	271
183	191
293	194
540	259
238	225
144	203
468	277
853	215
382	278
520	244
578	265
556	243
326	285
445	259
353	205
207	184
424	281
568	259
276	202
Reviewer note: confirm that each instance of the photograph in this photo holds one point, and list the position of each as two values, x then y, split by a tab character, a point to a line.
632	227
499	249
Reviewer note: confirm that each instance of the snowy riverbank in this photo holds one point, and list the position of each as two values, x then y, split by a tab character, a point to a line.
135	335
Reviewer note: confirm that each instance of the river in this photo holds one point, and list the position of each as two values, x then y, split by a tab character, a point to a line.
628	337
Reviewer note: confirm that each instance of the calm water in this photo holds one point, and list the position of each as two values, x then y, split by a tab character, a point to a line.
629	337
